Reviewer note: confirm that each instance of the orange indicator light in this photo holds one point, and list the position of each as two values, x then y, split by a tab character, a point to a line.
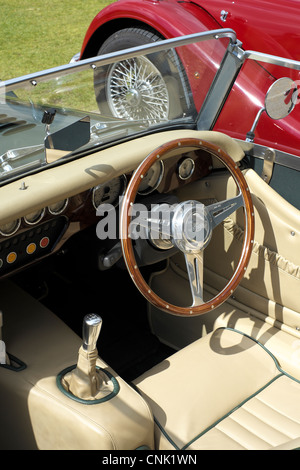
30	248
11	257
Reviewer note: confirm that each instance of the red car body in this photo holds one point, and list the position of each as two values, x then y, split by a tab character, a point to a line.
262	25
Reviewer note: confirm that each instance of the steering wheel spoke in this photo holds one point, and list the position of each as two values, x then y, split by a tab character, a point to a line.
220	210
194	265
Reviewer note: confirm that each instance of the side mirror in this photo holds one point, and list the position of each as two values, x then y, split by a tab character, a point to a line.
281	98
280	101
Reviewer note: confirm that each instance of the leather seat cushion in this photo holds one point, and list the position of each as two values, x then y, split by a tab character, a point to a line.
224	391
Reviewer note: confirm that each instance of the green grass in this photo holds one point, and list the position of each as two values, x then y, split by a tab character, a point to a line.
40	34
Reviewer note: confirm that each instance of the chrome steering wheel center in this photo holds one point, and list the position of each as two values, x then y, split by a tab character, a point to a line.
191	227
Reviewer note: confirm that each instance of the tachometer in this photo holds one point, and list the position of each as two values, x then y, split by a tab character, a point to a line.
109	193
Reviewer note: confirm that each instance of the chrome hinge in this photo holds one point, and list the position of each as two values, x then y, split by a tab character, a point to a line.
269	159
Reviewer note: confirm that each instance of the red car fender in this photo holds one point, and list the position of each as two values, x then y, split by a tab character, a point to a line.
168	17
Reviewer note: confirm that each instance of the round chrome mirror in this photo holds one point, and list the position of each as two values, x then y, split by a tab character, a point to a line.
281	98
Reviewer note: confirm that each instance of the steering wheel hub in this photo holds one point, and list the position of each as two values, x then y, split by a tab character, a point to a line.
191	227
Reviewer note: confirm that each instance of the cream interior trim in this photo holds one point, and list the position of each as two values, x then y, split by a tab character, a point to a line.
47	418
233	395
192	378
274	210
262	251
53	185
269	420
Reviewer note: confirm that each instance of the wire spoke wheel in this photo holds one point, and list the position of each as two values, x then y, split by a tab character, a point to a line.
136	90
150	89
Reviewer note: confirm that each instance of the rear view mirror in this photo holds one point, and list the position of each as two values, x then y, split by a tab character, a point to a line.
68	139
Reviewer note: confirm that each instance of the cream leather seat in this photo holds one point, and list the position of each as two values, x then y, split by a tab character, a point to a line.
224	391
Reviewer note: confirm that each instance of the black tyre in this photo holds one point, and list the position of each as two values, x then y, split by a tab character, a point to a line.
152	88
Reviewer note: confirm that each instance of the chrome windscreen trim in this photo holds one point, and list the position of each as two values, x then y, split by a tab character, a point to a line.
35	78
272	59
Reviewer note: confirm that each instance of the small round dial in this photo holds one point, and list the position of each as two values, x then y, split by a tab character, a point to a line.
152	178
109	193
186	168
58	207
34	217
10	228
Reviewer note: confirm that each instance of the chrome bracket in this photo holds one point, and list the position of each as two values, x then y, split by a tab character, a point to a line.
269	159
223	15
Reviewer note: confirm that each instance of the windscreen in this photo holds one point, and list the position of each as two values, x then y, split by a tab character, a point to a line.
81	107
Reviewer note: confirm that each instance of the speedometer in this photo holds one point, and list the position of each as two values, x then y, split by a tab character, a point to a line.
109	193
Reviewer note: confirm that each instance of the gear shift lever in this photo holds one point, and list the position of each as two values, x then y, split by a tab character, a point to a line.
86	381
92	324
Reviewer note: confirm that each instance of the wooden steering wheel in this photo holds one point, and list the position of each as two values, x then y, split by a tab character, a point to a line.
190	229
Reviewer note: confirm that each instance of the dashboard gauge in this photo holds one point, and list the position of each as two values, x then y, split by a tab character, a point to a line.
186	168
152	178
10	228
109	193
58	207
34	217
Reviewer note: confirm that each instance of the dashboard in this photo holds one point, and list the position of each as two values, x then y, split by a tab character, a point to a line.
44	231
41	232
41	211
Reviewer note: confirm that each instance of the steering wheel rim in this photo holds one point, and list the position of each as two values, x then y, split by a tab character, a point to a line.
126	242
